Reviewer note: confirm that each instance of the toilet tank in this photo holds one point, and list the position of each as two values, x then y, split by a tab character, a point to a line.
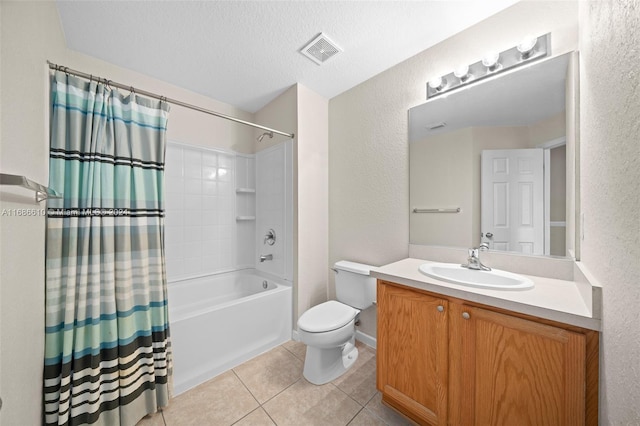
354	286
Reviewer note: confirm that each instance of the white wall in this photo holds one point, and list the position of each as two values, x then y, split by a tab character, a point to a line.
610	191
312	205
31	34
368	152
305	113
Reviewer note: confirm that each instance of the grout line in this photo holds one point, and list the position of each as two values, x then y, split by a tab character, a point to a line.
164	421
291	352
354	417
269	415
348	396
371	399
281	391
261	405
240	419
246	387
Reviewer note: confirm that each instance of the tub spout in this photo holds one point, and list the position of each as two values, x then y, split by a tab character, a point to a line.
264	257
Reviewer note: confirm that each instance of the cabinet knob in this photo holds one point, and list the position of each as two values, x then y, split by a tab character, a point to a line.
440	308
466	315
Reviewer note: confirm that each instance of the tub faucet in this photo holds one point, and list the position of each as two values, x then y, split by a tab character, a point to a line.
473	261
264	257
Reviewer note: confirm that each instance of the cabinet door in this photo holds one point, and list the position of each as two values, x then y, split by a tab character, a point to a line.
519	372
413	353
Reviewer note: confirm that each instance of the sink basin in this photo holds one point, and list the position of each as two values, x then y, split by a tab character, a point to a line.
494	279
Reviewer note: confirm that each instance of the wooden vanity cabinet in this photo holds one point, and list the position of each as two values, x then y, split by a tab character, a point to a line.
443	360
412	361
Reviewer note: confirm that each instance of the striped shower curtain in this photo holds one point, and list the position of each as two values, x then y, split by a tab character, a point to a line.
107	348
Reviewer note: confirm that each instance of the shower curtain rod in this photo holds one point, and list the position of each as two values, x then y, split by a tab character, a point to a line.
68	70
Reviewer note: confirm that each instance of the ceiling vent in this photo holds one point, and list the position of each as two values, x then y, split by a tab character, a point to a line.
320	49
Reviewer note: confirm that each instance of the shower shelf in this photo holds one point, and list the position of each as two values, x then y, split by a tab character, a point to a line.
245	191
42	192
245	218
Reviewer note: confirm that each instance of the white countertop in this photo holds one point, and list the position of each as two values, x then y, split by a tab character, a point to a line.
552	299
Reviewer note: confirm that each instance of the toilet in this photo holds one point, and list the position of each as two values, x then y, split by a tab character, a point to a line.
329	330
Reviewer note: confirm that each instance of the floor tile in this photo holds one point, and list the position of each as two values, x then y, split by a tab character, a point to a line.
270	373
310	405
258	417
283	396
298	349
388	415
220	401
152	420
367	418
359	382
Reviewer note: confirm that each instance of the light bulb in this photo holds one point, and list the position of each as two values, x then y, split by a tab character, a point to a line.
462	72
490	60
526	46
437	83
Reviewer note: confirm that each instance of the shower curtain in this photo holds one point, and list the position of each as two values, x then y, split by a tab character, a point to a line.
107	348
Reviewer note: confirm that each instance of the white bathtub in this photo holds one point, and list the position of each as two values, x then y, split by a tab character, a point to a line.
220	321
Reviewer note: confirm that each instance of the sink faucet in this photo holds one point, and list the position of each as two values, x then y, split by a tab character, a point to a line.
473	261
264	257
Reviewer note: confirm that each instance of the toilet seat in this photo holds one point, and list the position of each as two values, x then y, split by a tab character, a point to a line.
327	316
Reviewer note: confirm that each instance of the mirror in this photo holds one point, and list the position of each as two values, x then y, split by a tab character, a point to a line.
491	162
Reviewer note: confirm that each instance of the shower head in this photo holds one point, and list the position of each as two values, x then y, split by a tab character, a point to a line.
270	134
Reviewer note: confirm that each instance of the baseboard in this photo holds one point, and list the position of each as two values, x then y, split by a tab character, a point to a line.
294	335
366	339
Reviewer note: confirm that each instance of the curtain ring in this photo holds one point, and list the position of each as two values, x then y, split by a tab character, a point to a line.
90	78
132	90
66	71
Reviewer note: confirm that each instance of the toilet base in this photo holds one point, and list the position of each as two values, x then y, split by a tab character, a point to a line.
324	365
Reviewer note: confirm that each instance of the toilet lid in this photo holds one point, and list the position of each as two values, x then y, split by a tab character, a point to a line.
327	316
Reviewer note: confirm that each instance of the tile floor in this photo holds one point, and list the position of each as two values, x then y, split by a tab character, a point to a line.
270	390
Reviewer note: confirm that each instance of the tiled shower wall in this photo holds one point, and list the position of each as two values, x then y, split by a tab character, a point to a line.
200	225
219	205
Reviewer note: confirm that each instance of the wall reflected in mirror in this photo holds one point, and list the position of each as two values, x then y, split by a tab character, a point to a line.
497	151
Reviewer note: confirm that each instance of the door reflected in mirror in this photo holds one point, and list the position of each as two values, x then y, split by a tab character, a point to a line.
497	151
522	208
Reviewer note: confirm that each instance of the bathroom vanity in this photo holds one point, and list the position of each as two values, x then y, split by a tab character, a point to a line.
453	354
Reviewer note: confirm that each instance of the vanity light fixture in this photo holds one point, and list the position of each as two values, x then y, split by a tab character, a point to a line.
492	63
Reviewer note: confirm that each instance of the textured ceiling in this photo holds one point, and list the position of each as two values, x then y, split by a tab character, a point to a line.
245	53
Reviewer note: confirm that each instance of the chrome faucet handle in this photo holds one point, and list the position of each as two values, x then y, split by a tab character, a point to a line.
270	237
473	261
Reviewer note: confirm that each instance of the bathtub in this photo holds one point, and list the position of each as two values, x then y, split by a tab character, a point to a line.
220	321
